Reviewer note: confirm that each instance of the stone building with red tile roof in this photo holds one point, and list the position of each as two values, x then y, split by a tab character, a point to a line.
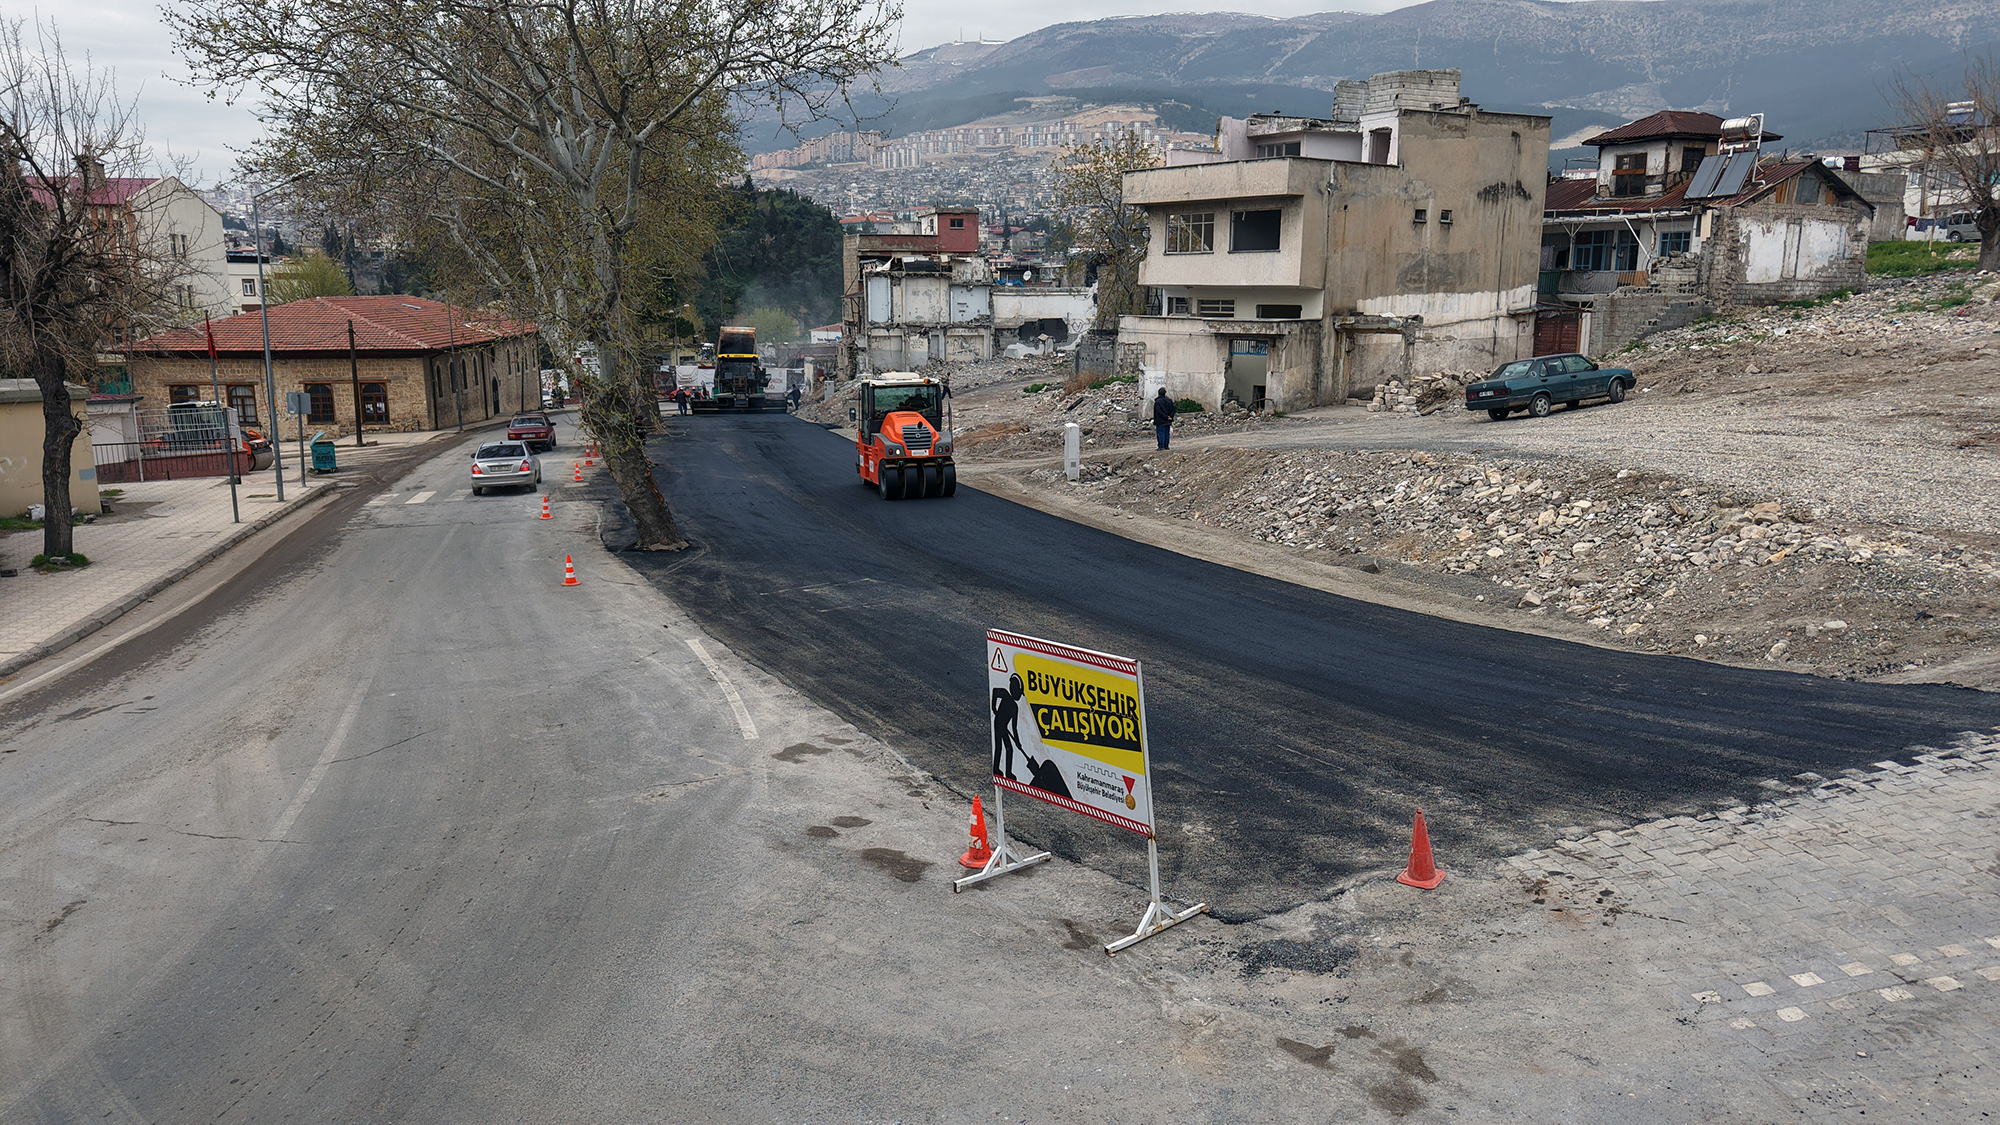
417	364
1684	215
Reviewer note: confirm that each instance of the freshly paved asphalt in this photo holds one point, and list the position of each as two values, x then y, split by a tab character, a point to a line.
1295	731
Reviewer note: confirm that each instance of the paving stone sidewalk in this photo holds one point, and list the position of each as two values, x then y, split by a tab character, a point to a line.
157	533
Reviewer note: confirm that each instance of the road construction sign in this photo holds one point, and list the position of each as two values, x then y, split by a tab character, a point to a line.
1069	728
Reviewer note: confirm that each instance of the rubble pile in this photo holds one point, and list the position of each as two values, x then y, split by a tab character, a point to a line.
1424	394
1646	560
1937	308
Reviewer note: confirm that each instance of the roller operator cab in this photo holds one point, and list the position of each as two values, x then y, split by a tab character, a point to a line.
902	442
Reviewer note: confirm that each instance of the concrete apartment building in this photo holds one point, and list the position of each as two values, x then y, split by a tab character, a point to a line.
1686	215
1307	258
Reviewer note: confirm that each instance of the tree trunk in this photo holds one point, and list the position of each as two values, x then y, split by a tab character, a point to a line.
617	413
59	430
1989	250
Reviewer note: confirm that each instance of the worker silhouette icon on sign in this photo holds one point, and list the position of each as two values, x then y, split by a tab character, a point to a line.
1007	726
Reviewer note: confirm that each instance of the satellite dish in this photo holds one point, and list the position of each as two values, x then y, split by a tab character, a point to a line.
1027	275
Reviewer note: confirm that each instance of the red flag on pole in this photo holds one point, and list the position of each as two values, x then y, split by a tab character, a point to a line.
209	327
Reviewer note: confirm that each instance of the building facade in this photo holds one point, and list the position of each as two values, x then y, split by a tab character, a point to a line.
1683	216
416	364
1306	258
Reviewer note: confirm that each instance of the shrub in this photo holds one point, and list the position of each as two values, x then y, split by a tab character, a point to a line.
45	564
1188	406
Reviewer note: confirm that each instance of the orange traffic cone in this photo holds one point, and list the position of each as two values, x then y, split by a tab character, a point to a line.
976	856
1421	872
569	579
545	508
579	473
590	453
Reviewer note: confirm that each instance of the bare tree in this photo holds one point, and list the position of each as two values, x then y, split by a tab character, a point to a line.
73	267
545	117
1092	218
1953	131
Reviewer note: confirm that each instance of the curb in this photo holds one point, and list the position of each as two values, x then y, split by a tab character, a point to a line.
134	600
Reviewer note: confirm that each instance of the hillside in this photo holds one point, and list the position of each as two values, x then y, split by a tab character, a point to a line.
1817	68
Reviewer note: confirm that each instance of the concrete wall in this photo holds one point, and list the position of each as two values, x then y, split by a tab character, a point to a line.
1192	356
1764	252
1671	299
1885	190
1016	305
21	432
166	208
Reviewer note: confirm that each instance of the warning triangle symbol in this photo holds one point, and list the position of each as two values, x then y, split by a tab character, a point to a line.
999	661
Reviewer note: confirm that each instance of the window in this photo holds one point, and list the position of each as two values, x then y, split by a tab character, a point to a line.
1805	190
1444	216
1253	231
958	224
249	287
178	244
1604	251
1573	364
1628	175
1691	158
1191	232
1276	149
1675	242
1378	146
1421	215
321	408
1279	312
1177	306
185	394
1221	308
243	399
375	403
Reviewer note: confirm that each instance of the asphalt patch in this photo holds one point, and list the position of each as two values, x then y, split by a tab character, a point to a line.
851	822
821	831
800	751
1321	1057
1323	956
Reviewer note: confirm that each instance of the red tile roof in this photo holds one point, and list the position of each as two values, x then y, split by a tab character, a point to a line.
1579	196
115	189
1667	123
319	324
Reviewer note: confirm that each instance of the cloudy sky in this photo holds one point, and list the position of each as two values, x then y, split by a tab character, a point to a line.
127	37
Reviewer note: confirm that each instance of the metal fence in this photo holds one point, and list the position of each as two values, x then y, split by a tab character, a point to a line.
186	440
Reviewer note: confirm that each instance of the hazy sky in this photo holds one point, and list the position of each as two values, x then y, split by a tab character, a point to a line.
127	37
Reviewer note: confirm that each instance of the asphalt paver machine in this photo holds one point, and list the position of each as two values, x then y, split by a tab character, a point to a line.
902	436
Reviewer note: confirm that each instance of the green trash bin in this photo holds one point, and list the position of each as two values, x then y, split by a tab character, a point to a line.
322	447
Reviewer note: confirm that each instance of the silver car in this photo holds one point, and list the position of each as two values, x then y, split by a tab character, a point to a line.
500	464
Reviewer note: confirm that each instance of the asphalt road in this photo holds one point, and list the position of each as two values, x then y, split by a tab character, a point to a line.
1295	732
395	827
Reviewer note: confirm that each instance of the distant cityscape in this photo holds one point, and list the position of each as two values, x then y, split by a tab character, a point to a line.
1002	167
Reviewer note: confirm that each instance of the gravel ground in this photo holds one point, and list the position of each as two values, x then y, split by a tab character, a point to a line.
1803	486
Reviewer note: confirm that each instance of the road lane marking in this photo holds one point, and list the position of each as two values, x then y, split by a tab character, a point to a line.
460	494
420	497
728	690
326	757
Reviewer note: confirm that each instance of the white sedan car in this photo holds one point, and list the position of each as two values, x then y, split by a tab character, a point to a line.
502	464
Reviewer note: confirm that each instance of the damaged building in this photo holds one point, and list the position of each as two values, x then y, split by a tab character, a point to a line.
1684	215
921	292
1308	257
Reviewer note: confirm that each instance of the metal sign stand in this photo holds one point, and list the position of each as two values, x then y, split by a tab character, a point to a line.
1004	859
1159	916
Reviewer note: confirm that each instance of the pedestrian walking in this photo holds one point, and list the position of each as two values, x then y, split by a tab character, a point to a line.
794	396
1163	416
681	399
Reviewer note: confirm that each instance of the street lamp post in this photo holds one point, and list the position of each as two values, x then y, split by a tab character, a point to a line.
264	311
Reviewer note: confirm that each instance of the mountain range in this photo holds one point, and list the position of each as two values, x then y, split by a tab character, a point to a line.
1821	71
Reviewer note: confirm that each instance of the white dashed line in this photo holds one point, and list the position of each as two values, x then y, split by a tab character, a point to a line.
420	497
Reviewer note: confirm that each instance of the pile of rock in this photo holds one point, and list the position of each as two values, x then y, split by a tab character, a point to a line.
1423	394
1640	557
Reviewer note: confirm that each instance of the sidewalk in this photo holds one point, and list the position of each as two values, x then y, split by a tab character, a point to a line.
158	532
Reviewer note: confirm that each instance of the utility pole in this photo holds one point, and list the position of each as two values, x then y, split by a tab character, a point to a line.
451	358
354	374
264	308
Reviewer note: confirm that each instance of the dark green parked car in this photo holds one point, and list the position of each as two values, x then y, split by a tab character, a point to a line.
1540	383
